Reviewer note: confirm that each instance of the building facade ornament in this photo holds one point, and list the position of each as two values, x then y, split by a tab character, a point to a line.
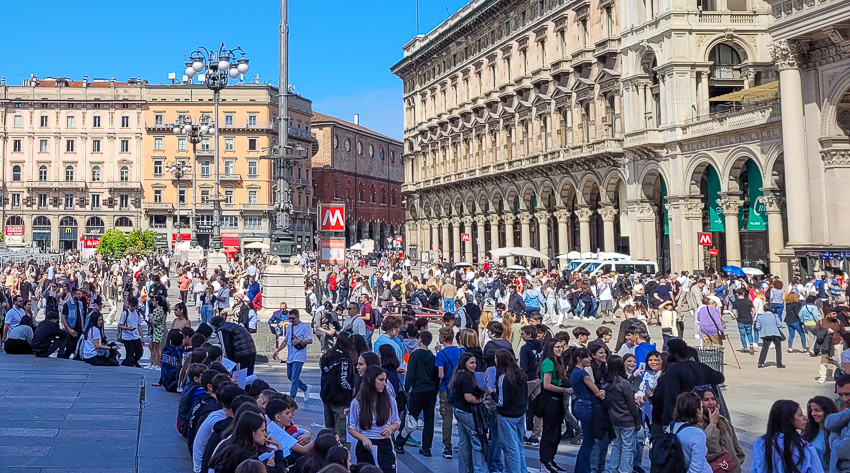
730	206
772	203
467	221
608	214
835	157
645	212
455	221
494	219
786	54
563	216
694	209
525	218
480	219
584	214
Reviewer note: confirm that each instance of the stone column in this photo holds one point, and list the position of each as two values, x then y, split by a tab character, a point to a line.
786	55
481	242
836	165
525	230
775	236
543	231
456	239
495	240
608	215
646	226
563	217
412	235
444	245
583	215
730	208
693	254
509	236
434	246
467	245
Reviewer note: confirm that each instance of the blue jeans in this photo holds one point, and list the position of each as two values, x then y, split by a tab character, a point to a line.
206	313
470	450
448	305
511	431
746	332
369	334
637	454
777	309
582	411
755	333
494	448
621	449
793	328
599	454
293	372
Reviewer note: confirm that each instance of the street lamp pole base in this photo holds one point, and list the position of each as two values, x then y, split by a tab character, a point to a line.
214	260
283	246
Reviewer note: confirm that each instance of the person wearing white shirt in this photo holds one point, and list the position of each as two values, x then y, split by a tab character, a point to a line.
13	316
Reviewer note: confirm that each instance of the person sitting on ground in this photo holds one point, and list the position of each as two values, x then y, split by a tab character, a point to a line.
171	362
279	414
193	392
247	440
226	393
96	349
18	339
48	336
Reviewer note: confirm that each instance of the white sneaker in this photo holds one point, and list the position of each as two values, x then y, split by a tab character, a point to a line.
308	392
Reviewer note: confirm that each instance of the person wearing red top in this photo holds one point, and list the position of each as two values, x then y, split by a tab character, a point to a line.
184	286
368	319
332	286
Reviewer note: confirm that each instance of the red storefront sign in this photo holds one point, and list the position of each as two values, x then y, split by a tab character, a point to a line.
15	230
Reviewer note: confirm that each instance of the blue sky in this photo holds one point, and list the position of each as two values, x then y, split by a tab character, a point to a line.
340	51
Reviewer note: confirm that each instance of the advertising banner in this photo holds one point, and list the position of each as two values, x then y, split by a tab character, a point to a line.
333	251
332	217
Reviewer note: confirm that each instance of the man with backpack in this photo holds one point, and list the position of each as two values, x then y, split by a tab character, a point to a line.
446	362
130	333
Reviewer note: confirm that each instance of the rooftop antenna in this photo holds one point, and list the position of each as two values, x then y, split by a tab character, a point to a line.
448	13
417	17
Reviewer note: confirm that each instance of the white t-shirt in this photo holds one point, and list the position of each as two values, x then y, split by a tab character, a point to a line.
845	356
130	319
89	351
605	291
13	317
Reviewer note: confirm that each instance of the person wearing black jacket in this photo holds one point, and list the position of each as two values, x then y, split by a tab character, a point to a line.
337	382
495	330
682	376
421	382
237	343
511	396
516	304
48	337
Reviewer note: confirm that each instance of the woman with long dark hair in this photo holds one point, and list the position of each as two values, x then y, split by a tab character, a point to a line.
96	349
584	391
373	419
466	394
156	326
623	413
781	449
249	441
819	407
550	401
181	314
721	441
686	418
337	381
512	402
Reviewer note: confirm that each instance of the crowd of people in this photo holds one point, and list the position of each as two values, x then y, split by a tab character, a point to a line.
485	347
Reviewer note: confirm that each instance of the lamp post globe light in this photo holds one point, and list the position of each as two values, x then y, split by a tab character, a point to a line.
217	66
178	170
194	133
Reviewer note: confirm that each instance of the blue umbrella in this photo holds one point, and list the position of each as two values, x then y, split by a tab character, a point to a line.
734	270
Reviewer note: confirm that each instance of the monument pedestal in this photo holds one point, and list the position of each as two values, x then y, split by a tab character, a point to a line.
214	260
284	283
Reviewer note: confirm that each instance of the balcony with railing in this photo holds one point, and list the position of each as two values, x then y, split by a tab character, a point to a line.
248	125
209	152
293	131
56	184
158	205
742	116
125	184
230	177
607	45
582	56
255	206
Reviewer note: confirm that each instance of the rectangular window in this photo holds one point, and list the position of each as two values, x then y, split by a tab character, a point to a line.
95	146
228	120
541	7
17	146
69	146
125	146
157	119
252	169
252	144
43	121
19	121
181	144
96	121
492	37
205	196
205	144
157	196
16	201
125	122
42	146
252	222
42	201
229	167
97	105
157	168
229	221
95	201
181	196
158	144
508	27
252	197
69	121
228	197
69	201
123	201
228	144
205	169
252	120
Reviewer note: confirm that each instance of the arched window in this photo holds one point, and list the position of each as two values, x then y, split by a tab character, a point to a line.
381	153
16	173
15	220
41	221
69	173
95	225
123	222
68	222
124	173
725	59
42	173
95	174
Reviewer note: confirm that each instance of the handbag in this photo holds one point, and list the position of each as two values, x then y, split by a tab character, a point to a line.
723	463
781	328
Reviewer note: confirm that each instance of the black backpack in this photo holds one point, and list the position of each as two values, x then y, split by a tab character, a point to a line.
666	454
395	291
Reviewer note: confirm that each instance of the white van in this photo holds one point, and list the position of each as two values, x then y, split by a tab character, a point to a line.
622	267
576	265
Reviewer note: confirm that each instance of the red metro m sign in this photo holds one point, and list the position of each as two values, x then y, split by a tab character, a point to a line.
332	217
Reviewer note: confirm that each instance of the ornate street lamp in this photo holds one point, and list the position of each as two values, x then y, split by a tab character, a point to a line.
179	169
194	133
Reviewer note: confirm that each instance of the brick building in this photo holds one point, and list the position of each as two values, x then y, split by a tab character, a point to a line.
362	169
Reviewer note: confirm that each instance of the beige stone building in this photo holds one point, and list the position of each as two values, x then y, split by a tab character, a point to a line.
70	160
614	125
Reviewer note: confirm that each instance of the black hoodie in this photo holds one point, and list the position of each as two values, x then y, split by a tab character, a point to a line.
492	346
337	382
529	358
215	439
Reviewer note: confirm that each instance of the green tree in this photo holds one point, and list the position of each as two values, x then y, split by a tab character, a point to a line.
113	244
141	242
